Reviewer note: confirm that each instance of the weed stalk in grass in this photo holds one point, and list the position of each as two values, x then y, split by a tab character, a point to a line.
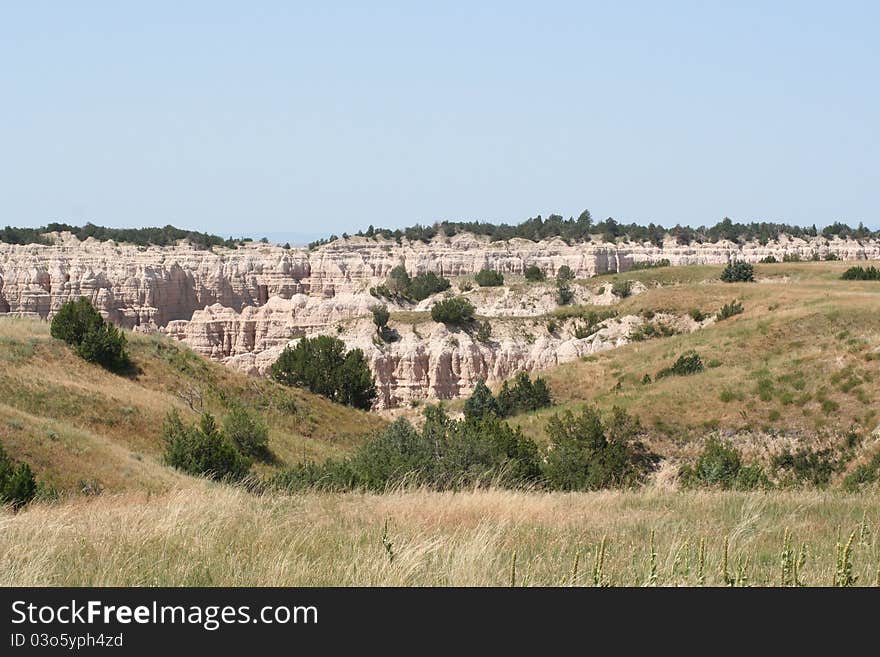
574	569
513	570
652	573
701	563
387	544
598	579
844	575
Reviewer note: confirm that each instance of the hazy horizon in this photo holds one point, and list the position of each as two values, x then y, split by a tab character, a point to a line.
316	119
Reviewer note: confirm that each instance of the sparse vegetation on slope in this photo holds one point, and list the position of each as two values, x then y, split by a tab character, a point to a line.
82	428
797	369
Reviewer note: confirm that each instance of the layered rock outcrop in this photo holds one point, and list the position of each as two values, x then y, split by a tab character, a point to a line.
242	305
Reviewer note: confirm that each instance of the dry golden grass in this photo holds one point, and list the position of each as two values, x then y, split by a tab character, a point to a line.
75	422
801	360
208	534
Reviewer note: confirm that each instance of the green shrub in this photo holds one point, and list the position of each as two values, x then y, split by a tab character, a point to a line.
534	274
248	432
586	453
621	289
525	395
484	331
805	465
380	316
456	311
564	293
720	465
202	450
830	256
686	364
323	366
738	272
697	315
481	403
649	330
105	345
73	320
83	328
861	274
489	278
647	264
399	285
863	475
791	257
729	310
564	273
424	285
17	483
768	260
444	454
398	281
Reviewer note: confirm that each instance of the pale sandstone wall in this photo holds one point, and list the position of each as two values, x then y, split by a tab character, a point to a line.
242	306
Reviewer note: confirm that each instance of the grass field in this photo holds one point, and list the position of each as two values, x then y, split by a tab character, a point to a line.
208	534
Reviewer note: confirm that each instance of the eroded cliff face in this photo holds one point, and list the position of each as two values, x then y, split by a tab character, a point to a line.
242	306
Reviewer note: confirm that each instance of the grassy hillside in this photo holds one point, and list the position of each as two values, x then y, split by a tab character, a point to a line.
211	535
81	426
801	362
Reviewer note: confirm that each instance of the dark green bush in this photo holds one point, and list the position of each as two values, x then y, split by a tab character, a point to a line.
444	454
768	260
647	264
524	396
686	364
248	432
729	310
863	475
484	331
621	289
534	274
424	285
564	293
564	273
586	453
720	465
806	465
456	311
481	403
861	274
202	450
323	366
83	328
489	278
73	320
380	316
398	281
697	315
17	483
105	345
738	272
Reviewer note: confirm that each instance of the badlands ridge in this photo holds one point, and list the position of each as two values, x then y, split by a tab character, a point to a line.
243	306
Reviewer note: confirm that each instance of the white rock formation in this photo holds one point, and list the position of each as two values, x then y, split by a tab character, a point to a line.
241	306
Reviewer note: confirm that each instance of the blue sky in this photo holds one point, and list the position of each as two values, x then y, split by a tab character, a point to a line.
311	118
